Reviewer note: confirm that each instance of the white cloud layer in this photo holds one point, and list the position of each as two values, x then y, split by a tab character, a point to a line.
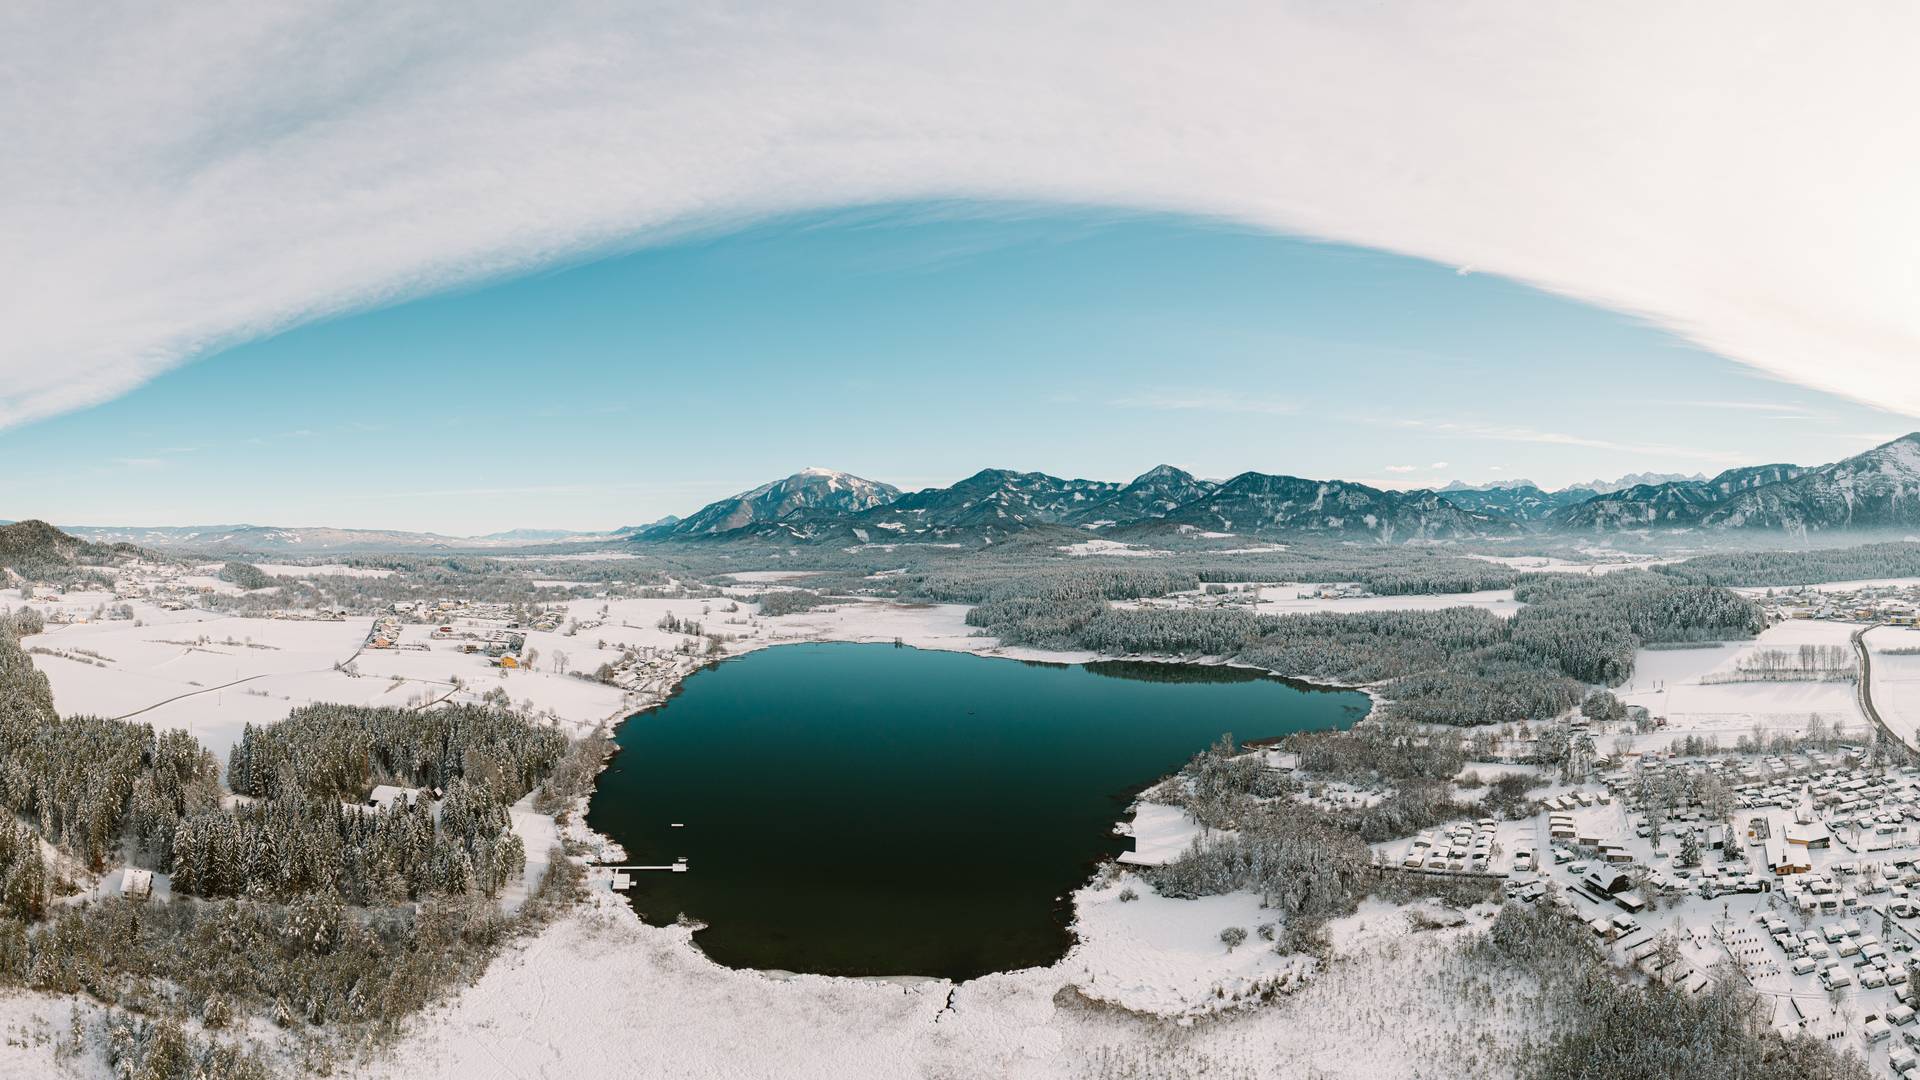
178	177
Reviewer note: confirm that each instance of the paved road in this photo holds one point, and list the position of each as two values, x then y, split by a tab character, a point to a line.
1866	688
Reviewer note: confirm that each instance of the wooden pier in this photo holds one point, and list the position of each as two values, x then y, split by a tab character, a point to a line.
623	875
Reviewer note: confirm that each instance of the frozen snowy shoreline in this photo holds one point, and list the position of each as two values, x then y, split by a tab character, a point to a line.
940	628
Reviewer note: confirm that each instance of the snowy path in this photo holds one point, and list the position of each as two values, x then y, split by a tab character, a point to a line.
191	693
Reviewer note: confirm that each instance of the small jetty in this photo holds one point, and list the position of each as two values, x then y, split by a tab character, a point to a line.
623	875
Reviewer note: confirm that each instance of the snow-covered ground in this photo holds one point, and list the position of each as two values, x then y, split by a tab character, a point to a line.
1605	562
1160	833
1844	858
30	1025
923	626
768	576
1111	547
1675	683
1834	586
323	570
201	672
1302	599
600	994
1896	679
1165	958
156	668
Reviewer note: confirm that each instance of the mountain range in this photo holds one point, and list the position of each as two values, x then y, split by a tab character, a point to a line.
321	540
1876	490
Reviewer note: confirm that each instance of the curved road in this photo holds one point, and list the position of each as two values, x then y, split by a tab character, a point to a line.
1866	688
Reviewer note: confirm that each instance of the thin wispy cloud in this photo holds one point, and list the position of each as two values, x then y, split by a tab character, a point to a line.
1509	433
1206	402
1771	411
154	459
251	167
1859	439
1403	468
1739	406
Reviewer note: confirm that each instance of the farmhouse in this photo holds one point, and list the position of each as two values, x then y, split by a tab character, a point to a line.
136	884
1786	857
1607	882
385	796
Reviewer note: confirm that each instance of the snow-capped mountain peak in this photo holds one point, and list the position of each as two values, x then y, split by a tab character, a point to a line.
811	490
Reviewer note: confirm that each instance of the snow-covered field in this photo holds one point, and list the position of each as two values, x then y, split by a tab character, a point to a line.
1669	682
1111	547
201	672
1896	679
769	576
1300	599
1605	562
210	673
255	670
600	994
323	570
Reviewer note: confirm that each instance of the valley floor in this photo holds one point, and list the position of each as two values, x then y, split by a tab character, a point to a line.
1147	991
211	674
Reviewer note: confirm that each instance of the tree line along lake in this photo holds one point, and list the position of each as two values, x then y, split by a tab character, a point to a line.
876	810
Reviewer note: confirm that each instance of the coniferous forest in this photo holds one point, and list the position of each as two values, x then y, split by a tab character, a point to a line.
1458	665
295	901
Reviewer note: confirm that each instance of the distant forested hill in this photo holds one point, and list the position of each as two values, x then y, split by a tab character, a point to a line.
37	550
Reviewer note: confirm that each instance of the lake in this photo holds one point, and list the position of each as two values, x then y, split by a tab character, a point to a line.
877	810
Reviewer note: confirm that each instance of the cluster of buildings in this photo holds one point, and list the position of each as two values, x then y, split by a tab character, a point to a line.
326	613
159	584
1464	847
502	647
1811	892
445	611
388	632
1802	868
476	627
1338	591
1892	605
649	670
1753	780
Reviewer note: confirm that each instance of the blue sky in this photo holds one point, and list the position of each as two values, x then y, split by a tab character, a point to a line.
912	344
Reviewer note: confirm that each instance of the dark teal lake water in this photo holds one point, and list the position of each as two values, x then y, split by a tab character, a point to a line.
874	810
